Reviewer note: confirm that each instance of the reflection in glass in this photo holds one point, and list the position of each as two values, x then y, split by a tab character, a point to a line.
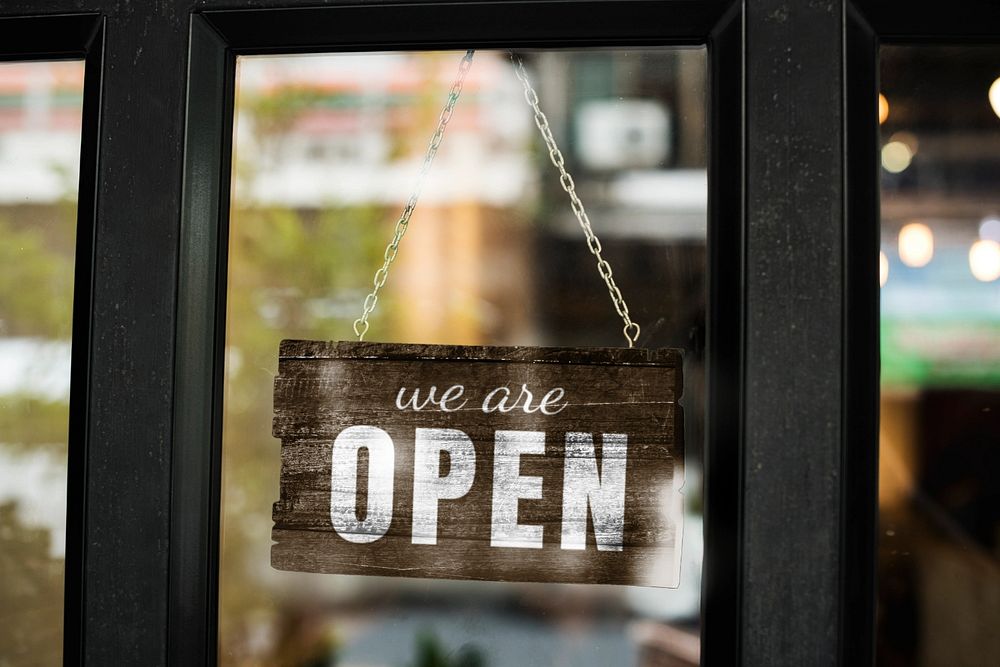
40	110
327	150
939	449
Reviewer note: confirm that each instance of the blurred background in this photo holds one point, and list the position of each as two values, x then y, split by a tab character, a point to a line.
327	150
939	451
40	110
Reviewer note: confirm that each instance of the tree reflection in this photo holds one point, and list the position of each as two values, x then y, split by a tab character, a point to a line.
31	589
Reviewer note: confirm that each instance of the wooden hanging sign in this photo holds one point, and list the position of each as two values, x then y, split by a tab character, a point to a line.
492	463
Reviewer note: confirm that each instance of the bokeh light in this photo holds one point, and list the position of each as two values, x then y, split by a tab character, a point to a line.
916	244
984	260
883	108
896	157
995	96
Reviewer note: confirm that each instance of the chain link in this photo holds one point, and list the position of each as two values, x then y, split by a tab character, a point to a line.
361	324
631	329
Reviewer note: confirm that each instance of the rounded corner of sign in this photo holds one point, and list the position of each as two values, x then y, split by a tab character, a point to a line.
667	574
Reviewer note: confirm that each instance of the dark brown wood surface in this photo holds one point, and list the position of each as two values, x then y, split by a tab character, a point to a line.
324	388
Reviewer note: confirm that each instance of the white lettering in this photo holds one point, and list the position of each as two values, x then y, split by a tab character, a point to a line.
527	401
344	483
605	493
509	486
453	394
412	402
554	395
428	486
501	404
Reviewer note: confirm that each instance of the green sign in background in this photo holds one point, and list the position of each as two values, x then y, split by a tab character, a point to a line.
940	353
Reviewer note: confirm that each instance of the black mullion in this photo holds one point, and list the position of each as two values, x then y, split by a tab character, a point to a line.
49	9
41	37
200	346
720	612
129	434
793	318
902	21
859	485
74	631
484	24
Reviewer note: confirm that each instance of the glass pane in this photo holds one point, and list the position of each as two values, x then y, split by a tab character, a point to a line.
40	111
939	471
327	150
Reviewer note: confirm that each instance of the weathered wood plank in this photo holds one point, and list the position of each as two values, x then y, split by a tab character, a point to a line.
323	551
310	349
508	464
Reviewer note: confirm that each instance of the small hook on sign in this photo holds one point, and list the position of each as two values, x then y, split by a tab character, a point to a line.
631	332
360	330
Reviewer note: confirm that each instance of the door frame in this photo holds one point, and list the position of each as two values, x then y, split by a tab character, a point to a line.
219	37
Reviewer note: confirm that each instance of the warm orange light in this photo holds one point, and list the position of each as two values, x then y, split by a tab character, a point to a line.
916	244
883	108
984	260
883	269
995	96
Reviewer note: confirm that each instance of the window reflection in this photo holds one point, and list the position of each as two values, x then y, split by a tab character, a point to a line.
40	110
327	150
939	473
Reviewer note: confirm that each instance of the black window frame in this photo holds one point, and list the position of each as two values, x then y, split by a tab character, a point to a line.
219	37
791	451
871	25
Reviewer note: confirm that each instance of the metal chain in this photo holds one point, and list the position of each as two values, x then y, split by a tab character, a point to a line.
631	329
361	324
